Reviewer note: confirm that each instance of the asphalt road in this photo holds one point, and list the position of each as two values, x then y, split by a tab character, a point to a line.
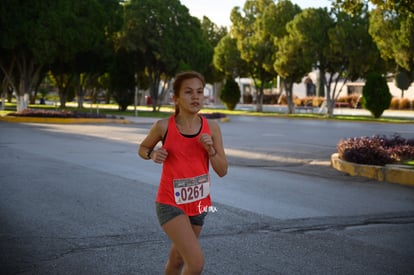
76	199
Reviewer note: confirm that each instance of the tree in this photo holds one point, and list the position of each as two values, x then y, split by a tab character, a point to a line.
213	34
166	39
230	94
35	33
338	46
391	26
89	65
85	65
402	81
287	60
394	35
291	65
376	96
352	53
311	28
404	7
255	45
122	80
227	58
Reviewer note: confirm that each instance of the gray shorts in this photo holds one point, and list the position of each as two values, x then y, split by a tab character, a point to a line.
167	212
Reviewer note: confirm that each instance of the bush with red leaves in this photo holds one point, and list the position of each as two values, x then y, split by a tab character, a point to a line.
58	114
376	150
213	115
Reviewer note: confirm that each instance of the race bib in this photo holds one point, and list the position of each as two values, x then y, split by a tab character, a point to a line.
191	189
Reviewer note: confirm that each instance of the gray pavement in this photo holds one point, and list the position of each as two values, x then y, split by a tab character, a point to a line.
75	199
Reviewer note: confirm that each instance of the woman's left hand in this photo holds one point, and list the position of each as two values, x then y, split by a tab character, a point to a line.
207	142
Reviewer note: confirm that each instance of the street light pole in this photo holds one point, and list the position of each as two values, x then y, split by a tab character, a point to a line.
136	95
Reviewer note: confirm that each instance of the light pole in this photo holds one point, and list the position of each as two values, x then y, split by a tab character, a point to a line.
136	95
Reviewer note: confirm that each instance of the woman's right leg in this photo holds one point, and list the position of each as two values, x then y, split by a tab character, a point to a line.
185	248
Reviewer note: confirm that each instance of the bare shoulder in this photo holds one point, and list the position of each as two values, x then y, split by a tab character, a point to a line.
214	126
161	125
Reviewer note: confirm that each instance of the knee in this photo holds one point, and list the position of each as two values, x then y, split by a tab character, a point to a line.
195	265
175	259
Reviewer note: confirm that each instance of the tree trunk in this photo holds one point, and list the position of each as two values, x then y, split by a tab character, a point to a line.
259	100
37	80
330	101
289	96
21	98
4	91
321	83
154	88
3	101
330	104
259	97
22	102
80	96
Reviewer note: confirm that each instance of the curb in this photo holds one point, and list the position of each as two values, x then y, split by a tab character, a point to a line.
56	120
225	119
388	173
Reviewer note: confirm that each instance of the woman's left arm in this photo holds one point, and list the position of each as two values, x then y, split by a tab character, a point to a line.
215	149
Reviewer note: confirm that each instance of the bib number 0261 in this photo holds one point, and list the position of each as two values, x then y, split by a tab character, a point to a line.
191	189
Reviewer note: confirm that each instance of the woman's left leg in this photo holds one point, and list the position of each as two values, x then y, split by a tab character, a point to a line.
185	248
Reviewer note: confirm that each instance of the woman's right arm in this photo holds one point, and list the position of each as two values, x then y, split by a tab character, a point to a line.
155	135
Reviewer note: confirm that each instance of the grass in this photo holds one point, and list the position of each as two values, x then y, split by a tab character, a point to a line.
410	163
165	111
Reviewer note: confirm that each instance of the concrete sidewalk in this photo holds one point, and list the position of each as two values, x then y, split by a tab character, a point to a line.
337	111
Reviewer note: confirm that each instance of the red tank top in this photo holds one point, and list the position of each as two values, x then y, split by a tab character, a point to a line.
185	181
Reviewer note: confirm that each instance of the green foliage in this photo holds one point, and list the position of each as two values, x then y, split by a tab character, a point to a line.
230	94
376	96
165	39
227	58
309	31
393	33
402	81
402	7
348	34
40	35
256	29
213	34
122	82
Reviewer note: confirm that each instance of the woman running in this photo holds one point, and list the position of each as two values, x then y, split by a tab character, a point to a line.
190	143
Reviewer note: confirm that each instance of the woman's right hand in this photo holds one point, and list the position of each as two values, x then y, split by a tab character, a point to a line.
159	155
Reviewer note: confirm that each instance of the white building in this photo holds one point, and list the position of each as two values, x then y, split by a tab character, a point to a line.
247	86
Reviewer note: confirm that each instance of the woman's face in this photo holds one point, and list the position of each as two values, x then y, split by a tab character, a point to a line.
191	96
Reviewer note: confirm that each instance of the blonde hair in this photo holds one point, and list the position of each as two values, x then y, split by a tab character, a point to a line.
179	79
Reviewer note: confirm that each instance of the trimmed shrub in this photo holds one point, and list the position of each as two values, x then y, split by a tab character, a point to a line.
230	94
270	98
317	101
356	100
297	101
395	103
247	98
307	101
404	104
283	100
376	150
344	99
58	114
215	115
376	94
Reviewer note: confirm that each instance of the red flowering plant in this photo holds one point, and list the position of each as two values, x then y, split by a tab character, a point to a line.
376	150
58	114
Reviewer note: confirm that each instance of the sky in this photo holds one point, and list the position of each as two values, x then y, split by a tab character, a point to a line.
219	11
